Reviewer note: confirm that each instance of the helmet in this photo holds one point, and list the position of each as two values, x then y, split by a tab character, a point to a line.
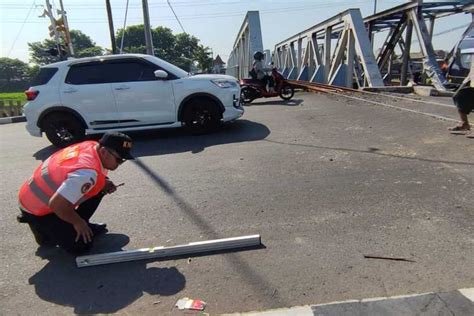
258	55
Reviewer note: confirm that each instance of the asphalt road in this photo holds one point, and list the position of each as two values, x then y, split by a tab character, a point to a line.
325	180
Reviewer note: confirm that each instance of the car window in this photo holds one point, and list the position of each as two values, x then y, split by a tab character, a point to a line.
176	71
126	71
92	73
44	75
111	71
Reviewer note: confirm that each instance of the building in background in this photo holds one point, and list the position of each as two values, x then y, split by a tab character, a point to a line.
218	66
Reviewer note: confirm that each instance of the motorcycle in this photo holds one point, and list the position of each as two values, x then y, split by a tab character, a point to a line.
252	89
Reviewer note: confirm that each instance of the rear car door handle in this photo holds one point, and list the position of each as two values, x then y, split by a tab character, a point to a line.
122	88
70	90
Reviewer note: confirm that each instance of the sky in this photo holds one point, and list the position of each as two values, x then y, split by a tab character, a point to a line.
214	22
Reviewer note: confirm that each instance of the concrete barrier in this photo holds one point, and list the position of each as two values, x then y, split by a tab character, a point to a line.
12	119
10	108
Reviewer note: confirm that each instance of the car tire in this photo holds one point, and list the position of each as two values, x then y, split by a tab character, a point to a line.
201	116
63	129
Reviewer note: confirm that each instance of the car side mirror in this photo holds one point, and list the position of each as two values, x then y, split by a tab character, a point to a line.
161	74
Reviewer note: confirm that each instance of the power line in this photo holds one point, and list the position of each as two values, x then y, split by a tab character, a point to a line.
227	14
123	32
452	29
21	28
176	16
447	31
191	4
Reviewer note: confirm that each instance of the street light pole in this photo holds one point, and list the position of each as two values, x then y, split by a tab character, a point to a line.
111	27
146	24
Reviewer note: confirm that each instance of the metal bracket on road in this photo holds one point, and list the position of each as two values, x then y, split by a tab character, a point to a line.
163	252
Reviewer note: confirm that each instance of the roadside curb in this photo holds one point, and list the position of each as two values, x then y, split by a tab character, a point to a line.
458	302
12	119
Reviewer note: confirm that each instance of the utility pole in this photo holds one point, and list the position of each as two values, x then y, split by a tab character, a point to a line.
53	24
375	6
111	27
146	24
66	29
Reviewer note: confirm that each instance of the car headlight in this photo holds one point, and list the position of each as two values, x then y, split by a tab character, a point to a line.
224	83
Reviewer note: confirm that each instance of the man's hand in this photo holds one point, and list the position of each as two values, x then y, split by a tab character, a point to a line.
65	211
83	230
109	187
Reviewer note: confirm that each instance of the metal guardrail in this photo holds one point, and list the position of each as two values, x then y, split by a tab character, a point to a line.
249	40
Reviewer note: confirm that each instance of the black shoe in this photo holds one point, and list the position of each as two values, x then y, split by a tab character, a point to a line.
42	239
21	218
98	228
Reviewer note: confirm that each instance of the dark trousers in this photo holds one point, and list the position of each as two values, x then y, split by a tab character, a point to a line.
267	80
51	230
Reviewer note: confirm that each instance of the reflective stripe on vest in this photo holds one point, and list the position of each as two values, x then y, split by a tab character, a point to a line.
34	187
46	178
43	197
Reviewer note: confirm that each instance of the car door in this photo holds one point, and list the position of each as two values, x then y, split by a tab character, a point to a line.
86	90
140	97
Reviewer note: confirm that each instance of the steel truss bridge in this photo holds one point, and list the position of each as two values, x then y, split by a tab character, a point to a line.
339	51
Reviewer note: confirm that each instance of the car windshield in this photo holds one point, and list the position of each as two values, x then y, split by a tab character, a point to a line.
170	67
466	61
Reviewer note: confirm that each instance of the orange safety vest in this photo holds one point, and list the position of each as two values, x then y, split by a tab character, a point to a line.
36	192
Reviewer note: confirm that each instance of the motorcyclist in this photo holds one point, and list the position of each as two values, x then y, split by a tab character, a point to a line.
259	71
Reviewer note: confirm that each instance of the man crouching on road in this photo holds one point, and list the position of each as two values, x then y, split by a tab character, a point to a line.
66	189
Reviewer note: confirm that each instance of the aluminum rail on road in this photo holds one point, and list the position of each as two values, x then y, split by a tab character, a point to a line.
164	252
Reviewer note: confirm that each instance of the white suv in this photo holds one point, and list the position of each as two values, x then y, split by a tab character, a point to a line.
130	92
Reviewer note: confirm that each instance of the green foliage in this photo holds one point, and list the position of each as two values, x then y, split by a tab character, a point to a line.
182	50
81	41
33	71
83	47
13	96
12	69
14	75
90	51
39	54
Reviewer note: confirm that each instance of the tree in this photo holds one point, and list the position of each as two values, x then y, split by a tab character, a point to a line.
182	50
83	47
133	39
89	52
202	56
13	69
164	43
33	71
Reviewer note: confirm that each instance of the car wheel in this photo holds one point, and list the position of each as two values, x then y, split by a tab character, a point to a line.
63	129
201	116
287	92
247	95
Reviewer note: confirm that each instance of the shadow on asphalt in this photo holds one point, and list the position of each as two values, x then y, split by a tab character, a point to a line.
101	289
262	288
163	142
178	140
45	152
292	102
